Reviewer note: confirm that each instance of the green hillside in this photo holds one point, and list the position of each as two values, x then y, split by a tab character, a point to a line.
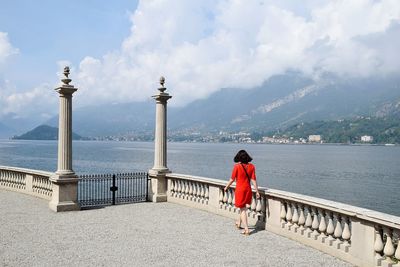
383	130
44	132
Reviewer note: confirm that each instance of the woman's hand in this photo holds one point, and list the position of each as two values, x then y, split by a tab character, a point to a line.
258	194
226	188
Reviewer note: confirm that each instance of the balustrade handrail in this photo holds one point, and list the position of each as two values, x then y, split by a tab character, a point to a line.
27	171
334	206
346	209
206	180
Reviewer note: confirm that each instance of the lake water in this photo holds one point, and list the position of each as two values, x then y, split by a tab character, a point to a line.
364	176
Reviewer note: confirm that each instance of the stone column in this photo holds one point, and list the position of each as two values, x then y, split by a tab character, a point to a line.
65	181
158	184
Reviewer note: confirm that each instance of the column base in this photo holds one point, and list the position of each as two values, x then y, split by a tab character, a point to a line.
158	185
64	206
65	193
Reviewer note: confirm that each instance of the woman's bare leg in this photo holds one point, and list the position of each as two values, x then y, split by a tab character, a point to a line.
243	218
239	222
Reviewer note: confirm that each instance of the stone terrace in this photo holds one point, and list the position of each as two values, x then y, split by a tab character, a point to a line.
160	234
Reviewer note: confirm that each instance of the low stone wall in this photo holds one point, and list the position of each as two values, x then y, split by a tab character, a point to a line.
208	194
27	181
360	236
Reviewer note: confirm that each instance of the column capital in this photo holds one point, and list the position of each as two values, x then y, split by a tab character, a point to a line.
66	88
161	97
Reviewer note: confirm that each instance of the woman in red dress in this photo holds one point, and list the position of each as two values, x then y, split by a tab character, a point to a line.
243	172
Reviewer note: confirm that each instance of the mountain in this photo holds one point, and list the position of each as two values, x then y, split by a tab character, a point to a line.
287	99
44	132
283	100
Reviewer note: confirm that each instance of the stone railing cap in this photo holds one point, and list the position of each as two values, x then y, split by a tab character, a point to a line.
28	171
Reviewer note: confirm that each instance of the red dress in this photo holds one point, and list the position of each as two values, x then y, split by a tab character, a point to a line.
243	192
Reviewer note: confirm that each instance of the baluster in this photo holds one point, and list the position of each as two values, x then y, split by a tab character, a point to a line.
221	195
315	222
289	213
308	220
225	199
388	250
338	229
178	188
378	245
330	229
203	190
207	193
230	197
175	188
295	218
322	224
179	184
182	192
253	203
258	206
263	207
172	189
41	185
195	191
397	253
346	230
191	190
302	218
283	212
187	189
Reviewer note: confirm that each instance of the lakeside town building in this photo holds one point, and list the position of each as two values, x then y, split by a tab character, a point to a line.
314	138
367	138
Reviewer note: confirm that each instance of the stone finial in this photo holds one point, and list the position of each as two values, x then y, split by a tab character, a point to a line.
162	82
66	80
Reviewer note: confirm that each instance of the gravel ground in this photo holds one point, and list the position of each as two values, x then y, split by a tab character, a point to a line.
143	234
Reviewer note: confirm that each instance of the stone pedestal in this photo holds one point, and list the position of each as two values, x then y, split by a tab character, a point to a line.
157	186
65	182
158	182
65	193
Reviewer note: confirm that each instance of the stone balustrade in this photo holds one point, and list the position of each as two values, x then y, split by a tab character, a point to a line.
357	235
208	194
360	236
32	182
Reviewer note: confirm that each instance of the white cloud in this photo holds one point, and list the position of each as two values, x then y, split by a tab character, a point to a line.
6	49
40	102
203	46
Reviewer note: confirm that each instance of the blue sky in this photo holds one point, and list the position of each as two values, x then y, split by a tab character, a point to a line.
117	50
47	31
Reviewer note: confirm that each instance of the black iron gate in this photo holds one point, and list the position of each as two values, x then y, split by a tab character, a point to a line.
111	189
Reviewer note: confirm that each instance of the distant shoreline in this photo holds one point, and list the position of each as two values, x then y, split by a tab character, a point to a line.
183	142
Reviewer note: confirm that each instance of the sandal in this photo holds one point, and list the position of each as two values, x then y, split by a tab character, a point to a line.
246	233
238	225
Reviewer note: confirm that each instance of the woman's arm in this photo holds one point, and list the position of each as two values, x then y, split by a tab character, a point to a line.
229	184
256	187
